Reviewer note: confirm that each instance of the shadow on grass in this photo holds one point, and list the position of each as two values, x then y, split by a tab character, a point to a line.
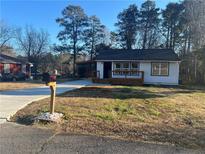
25	120
123	93
115	93
185	87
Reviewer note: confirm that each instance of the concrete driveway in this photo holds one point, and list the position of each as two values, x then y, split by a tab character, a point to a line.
12	101
19	139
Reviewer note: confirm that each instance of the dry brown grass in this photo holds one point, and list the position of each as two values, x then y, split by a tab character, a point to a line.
19	85
171	115
26	84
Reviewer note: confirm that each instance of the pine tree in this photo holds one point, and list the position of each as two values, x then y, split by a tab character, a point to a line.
149	24
173	23
127	26
74	21
93	35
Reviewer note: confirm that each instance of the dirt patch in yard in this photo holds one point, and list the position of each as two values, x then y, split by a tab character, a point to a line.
154	114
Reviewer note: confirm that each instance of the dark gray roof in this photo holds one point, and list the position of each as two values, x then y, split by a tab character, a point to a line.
11	60
138	54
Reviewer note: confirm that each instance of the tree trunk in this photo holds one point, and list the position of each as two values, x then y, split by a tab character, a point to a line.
74	58
185	47
195	67
189	43
174	41
171	37
144	40
167	43
91	58
92	50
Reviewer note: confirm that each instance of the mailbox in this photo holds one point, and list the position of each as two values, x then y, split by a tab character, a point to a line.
52	78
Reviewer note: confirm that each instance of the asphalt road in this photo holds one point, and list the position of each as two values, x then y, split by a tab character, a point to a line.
19	139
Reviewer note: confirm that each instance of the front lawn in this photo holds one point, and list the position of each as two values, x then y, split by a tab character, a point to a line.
15	85
20	85
153	114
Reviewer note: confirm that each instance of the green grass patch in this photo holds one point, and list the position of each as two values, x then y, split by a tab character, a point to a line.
104	116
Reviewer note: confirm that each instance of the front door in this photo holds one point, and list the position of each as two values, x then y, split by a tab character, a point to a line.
107	69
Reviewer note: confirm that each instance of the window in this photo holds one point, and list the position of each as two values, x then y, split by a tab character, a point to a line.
135	65
134	69
117	66
121	68
164	69
160	69
125	66
155	69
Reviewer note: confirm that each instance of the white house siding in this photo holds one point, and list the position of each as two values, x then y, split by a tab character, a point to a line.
100	67
172	79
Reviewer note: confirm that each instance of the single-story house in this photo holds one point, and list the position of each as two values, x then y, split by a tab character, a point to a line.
144	66
9	64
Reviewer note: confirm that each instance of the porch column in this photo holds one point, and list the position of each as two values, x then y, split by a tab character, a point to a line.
100	68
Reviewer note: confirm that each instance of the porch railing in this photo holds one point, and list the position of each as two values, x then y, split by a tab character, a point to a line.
128	73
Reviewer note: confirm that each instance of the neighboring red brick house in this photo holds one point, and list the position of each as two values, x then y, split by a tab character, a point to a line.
9	64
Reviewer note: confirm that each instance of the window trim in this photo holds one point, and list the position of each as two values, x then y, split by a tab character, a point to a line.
160	68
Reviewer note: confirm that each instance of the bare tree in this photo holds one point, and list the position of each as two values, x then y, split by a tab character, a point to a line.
195	17
33	43
195	35
6	34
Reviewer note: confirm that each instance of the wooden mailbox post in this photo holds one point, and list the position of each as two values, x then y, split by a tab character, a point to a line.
51	82
52	86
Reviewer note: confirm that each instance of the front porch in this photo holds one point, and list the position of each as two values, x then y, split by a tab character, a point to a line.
121	73
124	77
